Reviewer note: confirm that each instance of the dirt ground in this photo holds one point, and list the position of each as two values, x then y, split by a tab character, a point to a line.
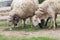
40	33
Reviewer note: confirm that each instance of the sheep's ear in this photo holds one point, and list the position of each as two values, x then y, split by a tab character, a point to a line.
42	10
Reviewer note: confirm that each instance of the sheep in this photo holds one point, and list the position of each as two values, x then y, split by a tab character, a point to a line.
23	9
49	8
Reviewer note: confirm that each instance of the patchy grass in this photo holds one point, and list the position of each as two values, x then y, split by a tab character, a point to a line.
58	20
23	38
27	28
4	24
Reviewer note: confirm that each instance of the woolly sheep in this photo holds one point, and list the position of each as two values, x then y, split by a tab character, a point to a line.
23	9
49	8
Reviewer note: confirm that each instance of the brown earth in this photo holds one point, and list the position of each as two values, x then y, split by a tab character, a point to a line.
40	33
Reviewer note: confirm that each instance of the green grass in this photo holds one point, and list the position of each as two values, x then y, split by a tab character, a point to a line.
24	38
5	24
28	28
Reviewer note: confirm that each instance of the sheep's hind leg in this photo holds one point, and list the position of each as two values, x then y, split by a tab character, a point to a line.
54	22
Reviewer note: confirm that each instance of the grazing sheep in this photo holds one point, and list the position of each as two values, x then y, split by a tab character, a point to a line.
49	8
23	9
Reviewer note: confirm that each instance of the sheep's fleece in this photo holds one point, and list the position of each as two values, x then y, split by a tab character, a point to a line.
23	8
49	8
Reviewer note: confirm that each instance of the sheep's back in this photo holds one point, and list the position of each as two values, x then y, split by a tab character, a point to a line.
25	8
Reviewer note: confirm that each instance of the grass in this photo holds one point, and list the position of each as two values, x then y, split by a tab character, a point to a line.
28	28
4	24
24	29
24	38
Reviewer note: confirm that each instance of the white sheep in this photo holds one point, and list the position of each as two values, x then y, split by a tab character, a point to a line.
49	8
23	9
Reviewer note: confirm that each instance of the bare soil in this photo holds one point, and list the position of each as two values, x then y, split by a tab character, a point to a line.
40	33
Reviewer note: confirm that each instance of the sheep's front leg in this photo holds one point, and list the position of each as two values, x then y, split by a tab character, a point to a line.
31	22
55	19
24	25
50	24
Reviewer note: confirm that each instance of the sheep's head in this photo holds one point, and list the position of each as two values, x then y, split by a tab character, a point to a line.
37	17
14	20
35	20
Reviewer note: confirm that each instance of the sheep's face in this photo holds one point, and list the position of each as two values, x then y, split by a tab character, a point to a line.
14	20
37	17
36	20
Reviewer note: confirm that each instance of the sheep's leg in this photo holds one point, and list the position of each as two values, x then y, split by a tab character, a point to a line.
47	21
24	25
53	22
31	22
50	23
55	19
